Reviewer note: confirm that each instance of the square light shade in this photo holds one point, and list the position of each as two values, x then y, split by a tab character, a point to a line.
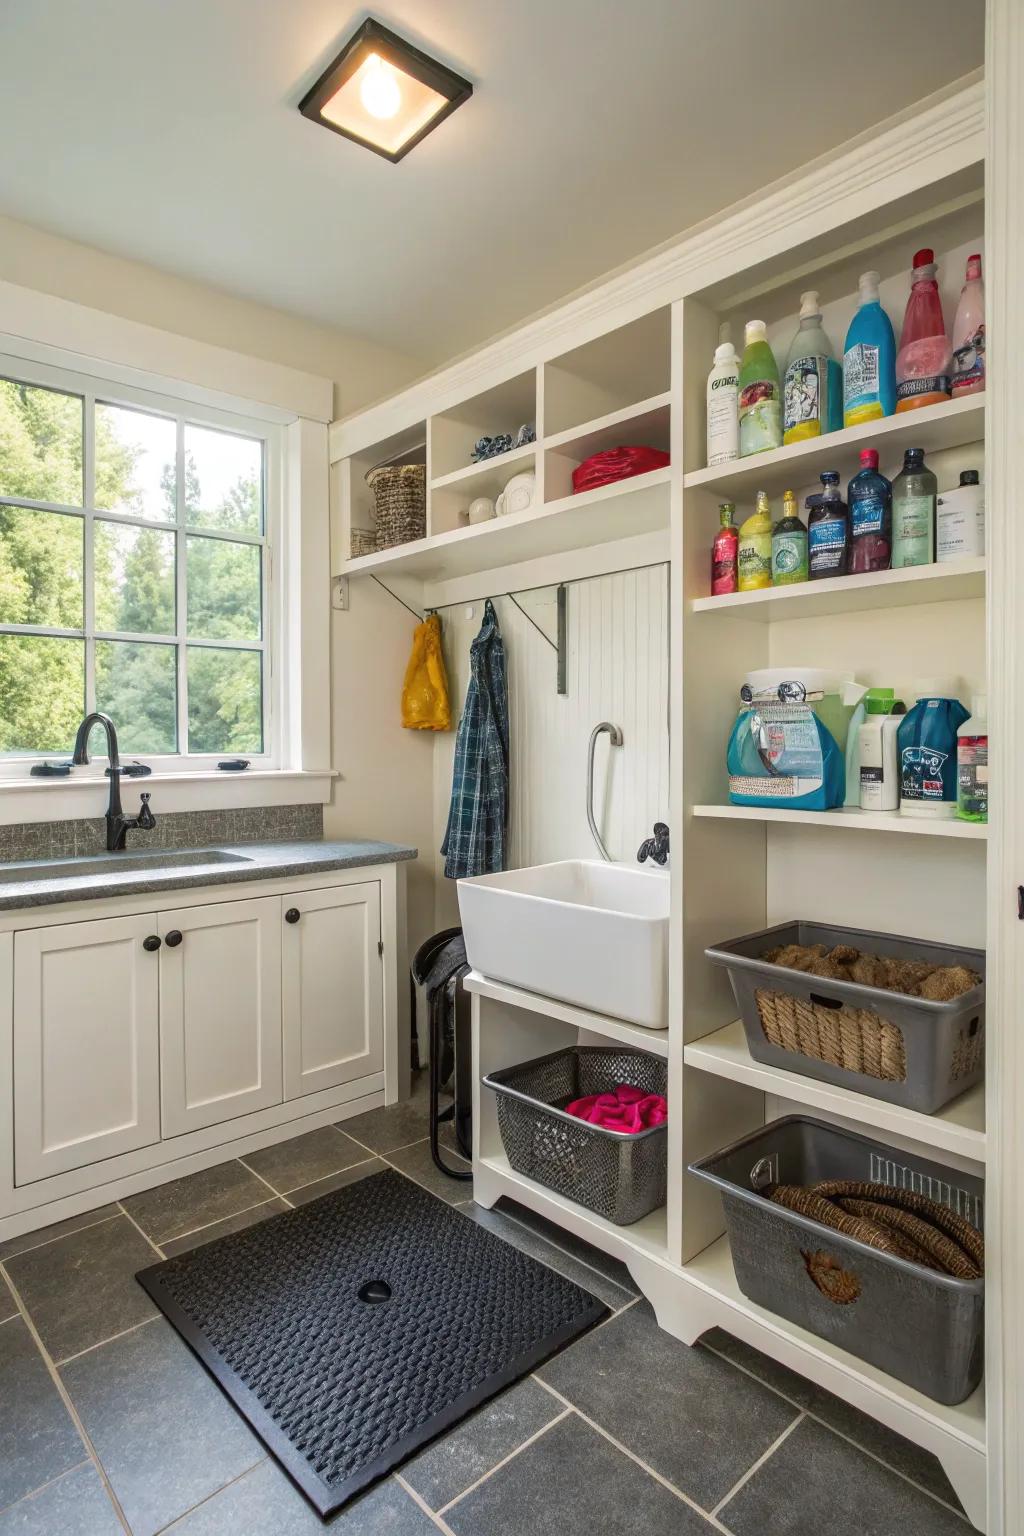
384	93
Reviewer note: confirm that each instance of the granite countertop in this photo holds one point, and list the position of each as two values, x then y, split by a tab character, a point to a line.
138	872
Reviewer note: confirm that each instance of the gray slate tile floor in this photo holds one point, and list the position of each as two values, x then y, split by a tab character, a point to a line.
109	1425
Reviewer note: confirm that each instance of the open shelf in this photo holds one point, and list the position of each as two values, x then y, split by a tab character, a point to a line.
646	423
489	476
647	1236
854	594
957	1127
905	1410
950	424
629	507
653	1040
850	819
608	375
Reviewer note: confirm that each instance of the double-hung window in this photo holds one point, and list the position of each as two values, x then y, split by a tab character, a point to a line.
134	571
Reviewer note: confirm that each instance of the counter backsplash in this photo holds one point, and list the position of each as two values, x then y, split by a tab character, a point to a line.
175	829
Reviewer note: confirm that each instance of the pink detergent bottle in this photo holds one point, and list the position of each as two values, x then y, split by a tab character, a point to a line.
925	357
969	334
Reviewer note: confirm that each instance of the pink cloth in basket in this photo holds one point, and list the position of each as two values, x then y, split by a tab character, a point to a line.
624	1109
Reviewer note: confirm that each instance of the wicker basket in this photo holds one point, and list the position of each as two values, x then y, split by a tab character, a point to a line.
903	1049
362	541
400	497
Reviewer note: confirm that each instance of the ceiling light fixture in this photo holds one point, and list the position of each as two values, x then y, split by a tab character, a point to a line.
383	93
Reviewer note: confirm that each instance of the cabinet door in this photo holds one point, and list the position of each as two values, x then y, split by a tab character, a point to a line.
86	1068
220	1012
333	987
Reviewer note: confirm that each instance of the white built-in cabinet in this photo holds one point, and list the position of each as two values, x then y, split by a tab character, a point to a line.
332	998
220	1012
141	1038
86	1069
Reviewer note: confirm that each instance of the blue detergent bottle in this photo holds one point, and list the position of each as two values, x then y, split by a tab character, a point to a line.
869	359
926	746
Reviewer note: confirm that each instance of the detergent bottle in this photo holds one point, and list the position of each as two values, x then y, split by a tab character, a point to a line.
869	359
924	361
812	391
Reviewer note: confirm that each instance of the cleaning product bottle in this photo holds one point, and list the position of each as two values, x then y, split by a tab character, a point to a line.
960	520
855	697
869	497
724	573
927	742
879	760
914	494
789	545
812	391
754	556
828	530
969	334
925	359
722	396
972	763
760	398
869	359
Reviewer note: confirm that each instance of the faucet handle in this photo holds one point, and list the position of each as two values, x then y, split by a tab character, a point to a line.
656	847
145	819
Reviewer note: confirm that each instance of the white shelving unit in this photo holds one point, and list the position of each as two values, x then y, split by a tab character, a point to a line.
849	819
627	363
958	1127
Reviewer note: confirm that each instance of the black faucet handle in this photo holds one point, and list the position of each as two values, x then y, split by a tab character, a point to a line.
656	847
145	819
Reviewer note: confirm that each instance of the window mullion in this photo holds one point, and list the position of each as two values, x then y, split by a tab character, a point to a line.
180	594
89	594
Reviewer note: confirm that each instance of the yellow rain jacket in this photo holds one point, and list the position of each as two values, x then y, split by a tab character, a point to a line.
425	705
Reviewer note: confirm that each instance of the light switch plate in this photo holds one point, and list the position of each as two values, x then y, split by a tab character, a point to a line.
339	594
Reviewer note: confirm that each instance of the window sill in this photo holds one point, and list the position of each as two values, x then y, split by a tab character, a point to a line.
26	799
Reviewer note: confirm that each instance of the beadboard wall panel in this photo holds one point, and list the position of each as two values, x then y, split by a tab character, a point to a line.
617	671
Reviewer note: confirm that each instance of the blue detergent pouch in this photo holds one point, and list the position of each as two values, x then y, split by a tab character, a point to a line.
781	753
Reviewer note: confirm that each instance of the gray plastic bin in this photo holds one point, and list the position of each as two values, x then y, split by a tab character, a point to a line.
905	1050
619	1176
922	1327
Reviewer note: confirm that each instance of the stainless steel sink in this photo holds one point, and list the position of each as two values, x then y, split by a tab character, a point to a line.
106	865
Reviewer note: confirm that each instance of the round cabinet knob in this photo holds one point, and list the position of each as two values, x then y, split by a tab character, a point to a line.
151	942
292	915
173	939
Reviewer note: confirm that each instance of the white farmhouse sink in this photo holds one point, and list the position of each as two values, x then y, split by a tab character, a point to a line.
583	932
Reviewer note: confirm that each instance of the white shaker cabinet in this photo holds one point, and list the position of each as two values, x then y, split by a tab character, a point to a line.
220	1012
333	978
85	1043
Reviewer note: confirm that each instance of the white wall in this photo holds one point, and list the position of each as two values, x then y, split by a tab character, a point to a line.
617	671
361	371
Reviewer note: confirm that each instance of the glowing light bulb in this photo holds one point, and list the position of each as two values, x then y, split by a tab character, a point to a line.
379	89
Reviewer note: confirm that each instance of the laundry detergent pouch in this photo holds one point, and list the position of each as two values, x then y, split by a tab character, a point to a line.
782	750
927	755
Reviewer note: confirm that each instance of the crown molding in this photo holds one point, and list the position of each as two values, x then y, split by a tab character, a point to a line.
908	152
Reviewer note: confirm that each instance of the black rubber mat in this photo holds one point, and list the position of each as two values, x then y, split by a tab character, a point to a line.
353	1330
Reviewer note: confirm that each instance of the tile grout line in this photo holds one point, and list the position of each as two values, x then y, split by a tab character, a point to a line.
65	1397
265	1182
435	1519
194	1231
741	1482
332	1175
85	1462
817	1419
34	1247
60	1364
210	1496
506	1459
158	1251
684	1498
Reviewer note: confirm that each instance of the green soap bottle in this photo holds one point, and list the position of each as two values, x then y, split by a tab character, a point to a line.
789	545
760	397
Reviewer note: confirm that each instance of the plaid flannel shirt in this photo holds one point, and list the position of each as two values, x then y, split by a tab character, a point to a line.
474	843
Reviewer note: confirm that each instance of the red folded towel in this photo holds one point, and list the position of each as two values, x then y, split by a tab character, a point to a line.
624	1109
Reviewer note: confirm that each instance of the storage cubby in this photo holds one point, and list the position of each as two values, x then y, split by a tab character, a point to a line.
450	497
648	426
610	374
455	431
356	498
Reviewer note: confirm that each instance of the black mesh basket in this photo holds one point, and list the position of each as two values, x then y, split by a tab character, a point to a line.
619	1176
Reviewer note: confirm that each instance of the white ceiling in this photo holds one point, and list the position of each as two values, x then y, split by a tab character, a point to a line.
167	131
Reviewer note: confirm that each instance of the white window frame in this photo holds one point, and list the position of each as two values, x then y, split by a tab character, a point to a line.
95	387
